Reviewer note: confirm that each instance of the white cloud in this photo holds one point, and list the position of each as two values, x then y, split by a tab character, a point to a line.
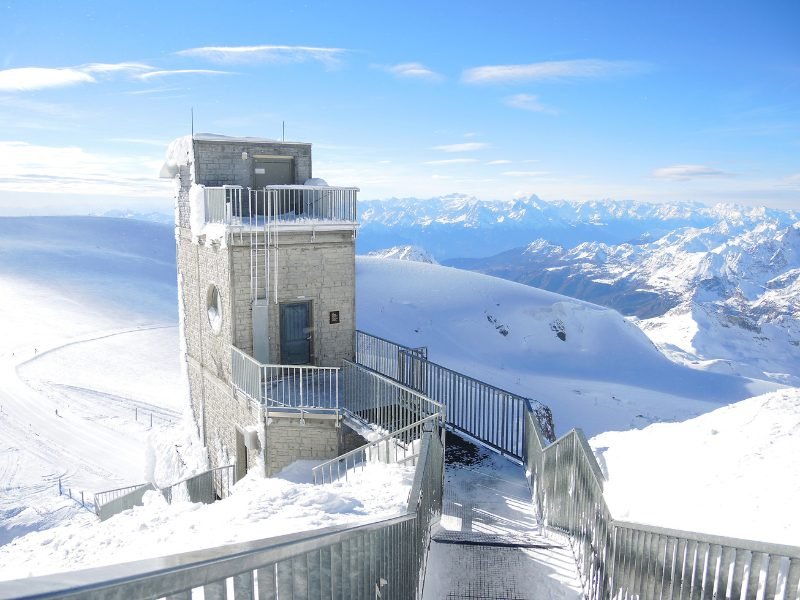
501	161
525	173
559	69
464	147
155	74
268	54
528	102
115	67
28	167
687	172
412	70
27	79
452	161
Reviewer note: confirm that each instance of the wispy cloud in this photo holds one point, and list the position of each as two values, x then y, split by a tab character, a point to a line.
267	54
529	102
115	67
412	70
452	161
525	173
553	70
463	147
26	79
501	161
687	172
157	74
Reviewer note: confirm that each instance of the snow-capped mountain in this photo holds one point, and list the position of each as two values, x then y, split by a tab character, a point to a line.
463	226
413	253
728	291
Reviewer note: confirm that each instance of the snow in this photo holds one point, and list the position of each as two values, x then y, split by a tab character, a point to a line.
257	508
604	375
90	304
732	471
414	253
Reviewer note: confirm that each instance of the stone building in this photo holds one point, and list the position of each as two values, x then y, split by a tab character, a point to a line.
266	268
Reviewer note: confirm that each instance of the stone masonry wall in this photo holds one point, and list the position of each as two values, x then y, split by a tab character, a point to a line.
220	163
321	271
217	410
288	440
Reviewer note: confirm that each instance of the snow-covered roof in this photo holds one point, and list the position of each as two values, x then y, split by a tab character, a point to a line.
215	137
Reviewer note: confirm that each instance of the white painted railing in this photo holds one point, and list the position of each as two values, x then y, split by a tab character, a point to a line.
280	204
285	386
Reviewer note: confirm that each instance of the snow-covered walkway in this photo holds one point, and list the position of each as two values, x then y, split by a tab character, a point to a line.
488	544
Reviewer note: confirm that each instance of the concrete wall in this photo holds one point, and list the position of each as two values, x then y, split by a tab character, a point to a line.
220	163
318	268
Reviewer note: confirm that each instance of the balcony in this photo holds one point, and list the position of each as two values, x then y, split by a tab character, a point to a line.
299	205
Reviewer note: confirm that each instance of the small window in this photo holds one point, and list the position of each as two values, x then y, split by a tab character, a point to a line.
214	308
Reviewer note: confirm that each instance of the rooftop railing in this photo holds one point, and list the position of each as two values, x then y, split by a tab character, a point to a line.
280	204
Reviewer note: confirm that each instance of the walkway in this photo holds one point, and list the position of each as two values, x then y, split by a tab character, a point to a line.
488	543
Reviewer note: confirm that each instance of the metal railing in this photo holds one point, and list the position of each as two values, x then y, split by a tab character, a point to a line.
401	446
382	355
285	386
206	487
219	203
489	414
112	502
623	560
289	386
284	204
378	560
380	400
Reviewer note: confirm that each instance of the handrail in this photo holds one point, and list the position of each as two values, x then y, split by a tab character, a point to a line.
286	386
240	207
621	559
386	557
491	415
365	452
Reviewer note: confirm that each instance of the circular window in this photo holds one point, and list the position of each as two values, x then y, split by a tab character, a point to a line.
214	307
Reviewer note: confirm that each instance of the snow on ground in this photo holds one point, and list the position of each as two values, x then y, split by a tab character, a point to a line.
90	306
733	471
89	342
258	508
594	369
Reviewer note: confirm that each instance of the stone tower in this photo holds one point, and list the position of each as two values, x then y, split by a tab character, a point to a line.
266	270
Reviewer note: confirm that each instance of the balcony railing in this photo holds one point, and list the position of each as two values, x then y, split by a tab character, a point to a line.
279	204
285	386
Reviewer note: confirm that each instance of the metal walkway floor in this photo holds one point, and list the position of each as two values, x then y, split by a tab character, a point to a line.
488	543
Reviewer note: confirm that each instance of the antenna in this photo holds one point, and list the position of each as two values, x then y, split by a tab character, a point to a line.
192	109
284	131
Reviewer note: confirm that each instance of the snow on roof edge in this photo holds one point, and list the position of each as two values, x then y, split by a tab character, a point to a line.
215	137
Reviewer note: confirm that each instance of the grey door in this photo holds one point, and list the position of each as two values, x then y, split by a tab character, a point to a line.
273	172
296	333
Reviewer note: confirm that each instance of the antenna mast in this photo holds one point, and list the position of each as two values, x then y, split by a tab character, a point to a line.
192	109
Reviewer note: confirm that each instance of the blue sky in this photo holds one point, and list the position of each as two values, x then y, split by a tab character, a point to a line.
658	101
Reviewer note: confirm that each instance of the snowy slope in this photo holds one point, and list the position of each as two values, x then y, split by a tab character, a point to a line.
83	319
88	311
724	297
595	369
676	474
